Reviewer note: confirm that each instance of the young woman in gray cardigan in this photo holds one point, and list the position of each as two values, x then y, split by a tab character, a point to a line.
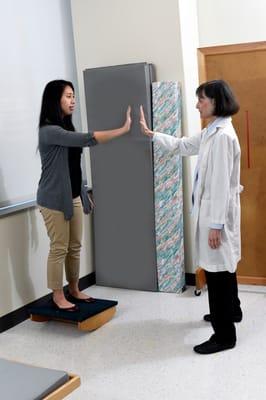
60	195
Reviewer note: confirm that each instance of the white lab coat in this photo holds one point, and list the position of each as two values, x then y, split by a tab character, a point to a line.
217	195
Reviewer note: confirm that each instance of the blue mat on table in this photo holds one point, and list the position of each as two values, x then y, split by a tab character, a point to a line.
85	311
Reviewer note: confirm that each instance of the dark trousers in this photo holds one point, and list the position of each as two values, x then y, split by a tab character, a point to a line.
224	304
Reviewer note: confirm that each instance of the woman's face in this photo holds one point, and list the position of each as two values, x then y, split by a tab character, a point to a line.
67	101
206	106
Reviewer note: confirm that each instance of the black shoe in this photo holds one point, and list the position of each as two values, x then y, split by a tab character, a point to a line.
211	346
236	318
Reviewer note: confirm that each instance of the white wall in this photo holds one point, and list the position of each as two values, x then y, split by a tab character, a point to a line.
23	253
229	22
124	31
166	34
27	48
190	118
23	239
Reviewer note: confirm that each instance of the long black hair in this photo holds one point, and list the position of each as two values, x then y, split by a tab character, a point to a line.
51	112
224	99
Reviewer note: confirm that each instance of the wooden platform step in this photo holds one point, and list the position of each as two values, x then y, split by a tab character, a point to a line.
88	317
89	324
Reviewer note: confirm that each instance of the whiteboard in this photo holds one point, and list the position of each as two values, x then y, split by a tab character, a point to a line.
36	46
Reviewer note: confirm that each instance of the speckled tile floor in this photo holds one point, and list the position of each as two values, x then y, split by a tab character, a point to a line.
145	351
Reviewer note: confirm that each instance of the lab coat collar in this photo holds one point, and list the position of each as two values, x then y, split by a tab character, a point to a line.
219	122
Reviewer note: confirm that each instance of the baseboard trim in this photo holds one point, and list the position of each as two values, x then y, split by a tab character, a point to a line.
244	280
190	279
251	280
21	314
87	281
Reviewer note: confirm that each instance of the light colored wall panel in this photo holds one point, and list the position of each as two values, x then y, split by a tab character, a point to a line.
23	239
163	33
229	22
23	253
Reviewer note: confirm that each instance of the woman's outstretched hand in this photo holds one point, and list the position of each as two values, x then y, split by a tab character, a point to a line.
127	124
143	125
105	136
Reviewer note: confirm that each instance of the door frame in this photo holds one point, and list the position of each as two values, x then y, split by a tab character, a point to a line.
202	53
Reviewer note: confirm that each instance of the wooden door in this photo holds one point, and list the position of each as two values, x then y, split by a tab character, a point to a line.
244	68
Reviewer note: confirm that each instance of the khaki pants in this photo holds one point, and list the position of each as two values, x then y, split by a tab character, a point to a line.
65	244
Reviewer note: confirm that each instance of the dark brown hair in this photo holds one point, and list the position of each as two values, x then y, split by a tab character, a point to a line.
225	103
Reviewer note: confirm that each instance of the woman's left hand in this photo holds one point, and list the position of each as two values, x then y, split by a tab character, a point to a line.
215	238
143	124
91	201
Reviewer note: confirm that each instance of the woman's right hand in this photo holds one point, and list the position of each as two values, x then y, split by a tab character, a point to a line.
143	124
109	134
127	125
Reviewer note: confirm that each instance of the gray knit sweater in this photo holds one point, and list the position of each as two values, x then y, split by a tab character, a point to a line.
54	190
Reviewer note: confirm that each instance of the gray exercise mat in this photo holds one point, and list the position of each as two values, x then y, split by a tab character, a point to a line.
24	382
122	178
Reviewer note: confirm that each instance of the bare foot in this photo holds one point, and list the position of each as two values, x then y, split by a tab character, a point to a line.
79	295
64	304
60	300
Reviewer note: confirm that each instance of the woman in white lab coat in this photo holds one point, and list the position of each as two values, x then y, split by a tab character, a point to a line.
216	205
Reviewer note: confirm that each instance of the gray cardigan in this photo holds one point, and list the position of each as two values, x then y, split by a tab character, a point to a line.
54	190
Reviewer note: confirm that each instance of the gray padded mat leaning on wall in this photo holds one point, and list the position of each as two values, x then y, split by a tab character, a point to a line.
25	382
122	178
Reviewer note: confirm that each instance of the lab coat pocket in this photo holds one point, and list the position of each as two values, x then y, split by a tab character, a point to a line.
231	214
204	213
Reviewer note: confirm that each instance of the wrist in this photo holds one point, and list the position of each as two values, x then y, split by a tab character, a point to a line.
121	131
216	226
